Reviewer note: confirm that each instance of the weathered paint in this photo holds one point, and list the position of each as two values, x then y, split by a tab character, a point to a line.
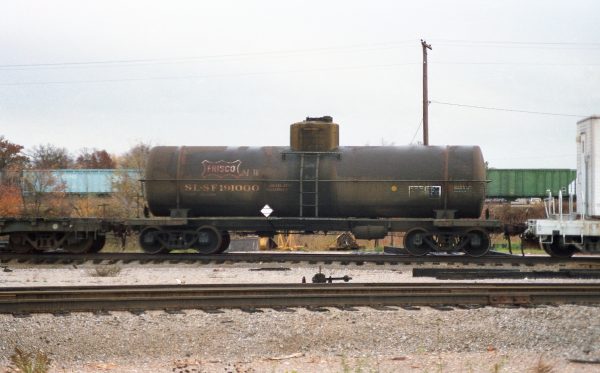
377	181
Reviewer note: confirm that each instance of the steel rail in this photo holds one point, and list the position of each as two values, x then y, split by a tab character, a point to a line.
445	273
160	297
590	262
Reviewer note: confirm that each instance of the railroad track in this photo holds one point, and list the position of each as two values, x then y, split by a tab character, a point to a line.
251	296
583	262
446	273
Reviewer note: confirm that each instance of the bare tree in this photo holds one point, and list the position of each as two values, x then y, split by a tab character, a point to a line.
128	191
94	158
43	194
136	157
44	157
127	195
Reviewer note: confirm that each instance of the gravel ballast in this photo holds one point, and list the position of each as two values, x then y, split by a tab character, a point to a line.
135	273
362	340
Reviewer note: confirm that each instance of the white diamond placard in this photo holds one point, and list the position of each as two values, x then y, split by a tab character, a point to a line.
266	211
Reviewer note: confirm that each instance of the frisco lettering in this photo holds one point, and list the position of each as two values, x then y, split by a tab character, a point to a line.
221	168
221	187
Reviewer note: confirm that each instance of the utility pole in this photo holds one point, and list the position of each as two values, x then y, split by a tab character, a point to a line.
425	96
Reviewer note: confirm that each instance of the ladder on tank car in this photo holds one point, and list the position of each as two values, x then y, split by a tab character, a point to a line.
308	180
309	184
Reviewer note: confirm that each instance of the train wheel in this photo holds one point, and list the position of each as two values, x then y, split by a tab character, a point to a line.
414	242
209	240
79	245
151	240
477	243
19	244
225	241
558	249
98	244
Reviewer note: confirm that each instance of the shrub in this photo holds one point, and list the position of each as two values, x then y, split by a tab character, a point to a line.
30	362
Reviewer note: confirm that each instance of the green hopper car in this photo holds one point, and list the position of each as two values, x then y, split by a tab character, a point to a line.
527	183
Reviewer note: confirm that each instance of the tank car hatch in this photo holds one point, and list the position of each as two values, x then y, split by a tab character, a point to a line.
315	135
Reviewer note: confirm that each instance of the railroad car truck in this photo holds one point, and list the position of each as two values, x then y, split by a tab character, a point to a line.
564	233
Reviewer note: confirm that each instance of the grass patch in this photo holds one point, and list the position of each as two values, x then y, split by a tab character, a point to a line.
29	362
503	248
542	367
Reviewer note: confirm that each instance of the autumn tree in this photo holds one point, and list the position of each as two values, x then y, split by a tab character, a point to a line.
136	157
11	156
44	194
11	202
43	191
94	158
12	162
44	157
127	198
128	192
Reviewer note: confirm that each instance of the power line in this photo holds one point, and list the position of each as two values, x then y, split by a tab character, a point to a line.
346	48
506	109
514	63
340	68
519	42
192	60
528	44
286	52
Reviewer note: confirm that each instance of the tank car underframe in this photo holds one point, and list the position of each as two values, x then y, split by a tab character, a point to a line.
211	235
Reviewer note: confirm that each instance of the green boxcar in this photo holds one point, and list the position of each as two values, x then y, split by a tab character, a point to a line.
527	183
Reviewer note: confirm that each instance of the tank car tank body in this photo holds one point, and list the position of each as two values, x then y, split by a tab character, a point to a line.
366	182
433	193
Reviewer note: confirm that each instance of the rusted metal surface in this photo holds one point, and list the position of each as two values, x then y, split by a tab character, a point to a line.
315	135
378	181
153	297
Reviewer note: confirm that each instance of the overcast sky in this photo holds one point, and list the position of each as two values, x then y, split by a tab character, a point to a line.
108	74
